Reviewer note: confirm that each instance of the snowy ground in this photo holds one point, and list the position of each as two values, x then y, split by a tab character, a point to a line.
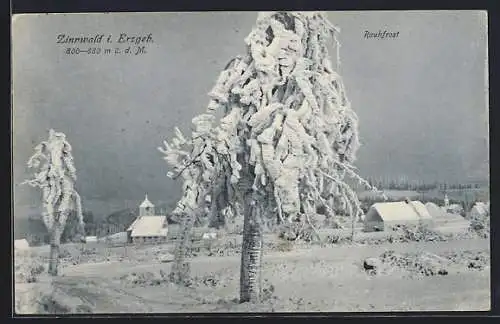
301	278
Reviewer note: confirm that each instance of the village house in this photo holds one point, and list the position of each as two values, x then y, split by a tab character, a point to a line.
148	226
90	239
21	244
382	216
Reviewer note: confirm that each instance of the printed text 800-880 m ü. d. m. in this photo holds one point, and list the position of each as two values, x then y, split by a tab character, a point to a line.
136	50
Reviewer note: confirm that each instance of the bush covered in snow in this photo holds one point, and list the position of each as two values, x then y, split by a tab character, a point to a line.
425	264
479	217
27	266
143	279
418	233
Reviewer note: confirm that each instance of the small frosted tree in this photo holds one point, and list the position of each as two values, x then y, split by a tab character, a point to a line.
286	141
55	175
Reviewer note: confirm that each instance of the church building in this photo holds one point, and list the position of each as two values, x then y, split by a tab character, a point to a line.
148	226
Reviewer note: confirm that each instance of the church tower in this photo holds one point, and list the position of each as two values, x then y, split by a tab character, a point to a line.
146	208
446	201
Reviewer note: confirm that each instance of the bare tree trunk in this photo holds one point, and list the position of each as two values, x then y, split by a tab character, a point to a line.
251	253
353	221
55	242
180	268
219	201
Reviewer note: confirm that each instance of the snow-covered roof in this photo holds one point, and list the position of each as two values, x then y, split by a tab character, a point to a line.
21	244
146	203
149	226
394	211
437	212
131	227
434	210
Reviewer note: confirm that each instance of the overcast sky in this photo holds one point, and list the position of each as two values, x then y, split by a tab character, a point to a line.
421	98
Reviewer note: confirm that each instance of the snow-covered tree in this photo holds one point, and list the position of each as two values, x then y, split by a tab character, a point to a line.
55	175
286	142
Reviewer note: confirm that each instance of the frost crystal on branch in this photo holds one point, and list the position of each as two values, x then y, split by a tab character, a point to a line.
288	126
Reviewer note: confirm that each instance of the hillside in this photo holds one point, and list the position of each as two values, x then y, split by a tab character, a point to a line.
33	229
24	227
27	219
123	218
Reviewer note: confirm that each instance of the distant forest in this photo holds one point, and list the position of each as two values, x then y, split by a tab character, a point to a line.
120	220
421	186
